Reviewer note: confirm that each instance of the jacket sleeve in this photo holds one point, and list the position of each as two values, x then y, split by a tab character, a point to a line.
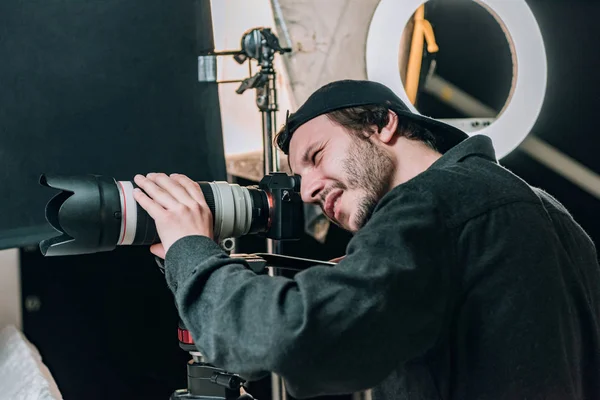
330	330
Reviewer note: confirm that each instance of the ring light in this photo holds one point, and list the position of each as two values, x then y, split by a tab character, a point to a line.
526	97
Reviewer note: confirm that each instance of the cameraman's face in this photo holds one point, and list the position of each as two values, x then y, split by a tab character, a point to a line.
345	174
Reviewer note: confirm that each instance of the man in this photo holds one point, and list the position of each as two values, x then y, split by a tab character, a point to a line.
461	281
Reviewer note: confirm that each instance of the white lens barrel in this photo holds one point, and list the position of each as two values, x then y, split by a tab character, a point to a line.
233	210
128	213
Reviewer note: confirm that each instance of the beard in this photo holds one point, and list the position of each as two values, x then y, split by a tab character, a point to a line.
368	169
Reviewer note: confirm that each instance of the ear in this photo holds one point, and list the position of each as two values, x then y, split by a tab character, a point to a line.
388	131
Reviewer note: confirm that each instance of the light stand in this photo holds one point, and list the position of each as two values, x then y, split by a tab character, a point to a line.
261	45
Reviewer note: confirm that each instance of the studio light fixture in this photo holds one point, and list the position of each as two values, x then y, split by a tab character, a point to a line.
530	70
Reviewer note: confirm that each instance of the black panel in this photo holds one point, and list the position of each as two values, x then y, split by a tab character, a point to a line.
106	87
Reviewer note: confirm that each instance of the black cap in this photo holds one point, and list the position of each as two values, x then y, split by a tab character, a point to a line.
353	93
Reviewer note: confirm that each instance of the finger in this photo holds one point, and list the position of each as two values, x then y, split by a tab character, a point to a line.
158	250
192	187
153	209
174	188
155	191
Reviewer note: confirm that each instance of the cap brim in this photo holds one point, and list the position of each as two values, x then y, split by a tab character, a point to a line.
446	136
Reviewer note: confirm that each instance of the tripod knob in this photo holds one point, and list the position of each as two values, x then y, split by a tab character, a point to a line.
186	342
184	336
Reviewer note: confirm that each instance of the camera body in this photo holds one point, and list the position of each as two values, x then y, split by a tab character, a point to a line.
286	210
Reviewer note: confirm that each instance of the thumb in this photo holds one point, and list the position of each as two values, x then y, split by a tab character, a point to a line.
158	250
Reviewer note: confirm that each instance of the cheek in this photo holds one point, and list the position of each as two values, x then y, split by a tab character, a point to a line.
335	172
351	199
349	207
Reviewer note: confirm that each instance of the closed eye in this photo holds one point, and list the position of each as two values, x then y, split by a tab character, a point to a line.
314	156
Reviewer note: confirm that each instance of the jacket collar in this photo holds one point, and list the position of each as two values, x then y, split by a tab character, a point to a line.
477	145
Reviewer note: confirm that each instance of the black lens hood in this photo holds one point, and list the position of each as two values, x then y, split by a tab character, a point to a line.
87	213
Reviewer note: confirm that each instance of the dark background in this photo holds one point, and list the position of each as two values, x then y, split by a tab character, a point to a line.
110	87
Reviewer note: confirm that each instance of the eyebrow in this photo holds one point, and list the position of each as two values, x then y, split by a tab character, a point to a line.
306	156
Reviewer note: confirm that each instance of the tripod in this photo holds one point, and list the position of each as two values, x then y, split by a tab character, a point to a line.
206	382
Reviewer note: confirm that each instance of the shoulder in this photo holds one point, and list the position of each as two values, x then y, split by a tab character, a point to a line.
463	190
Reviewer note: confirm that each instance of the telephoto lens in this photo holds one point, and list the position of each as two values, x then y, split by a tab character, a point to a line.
96	213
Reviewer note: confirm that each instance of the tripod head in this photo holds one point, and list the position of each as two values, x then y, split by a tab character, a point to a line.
260	44
204	380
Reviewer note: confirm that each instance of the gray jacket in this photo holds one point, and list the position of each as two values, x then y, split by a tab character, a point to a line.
466	283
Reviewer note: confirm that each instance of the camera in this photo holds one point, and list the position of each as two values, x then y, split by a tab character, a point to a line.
95	213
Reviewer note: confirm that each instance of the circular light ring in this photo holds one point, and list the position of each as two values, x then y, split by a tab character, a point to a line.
530	67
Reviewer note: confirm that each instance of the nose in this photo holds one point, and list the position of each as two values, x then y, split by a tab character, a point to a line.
310	188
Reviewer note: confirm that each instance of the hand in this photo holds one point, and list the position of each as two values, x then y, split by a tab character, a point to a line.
244	395
337	259
177	205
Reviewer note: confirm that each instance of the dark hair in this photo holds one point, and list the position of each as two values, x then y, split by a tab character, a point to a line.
363	121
